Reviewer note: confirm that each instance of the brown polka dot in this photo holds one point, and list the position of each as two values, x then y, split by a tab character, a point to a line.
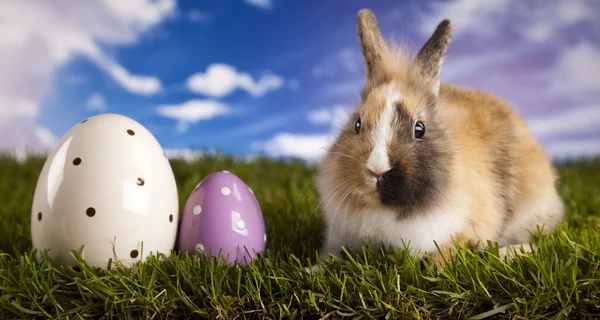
134	253
90	212
140	182
170	218
77	161
39	216
84	121
130	132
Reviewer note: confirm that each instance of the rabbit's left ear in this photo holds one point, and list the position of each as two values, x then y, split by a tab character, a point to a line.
431	57
373	47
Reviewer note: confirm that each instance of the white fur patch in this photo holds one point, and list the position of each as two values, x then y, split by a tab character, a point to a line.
544	208
419	233
378	159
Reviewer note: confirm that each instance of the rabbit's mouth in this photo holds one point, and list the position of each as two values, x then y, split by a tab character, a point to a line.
374	179
397	189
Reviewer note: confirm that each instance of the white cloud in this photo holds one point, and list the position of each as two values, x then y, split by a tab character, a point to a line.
571	149
566	14
24	108
39	37
186	154
466	65
263	4
222	79
47	138
255	127
581	120
137	84
550	61
319	116
466	15
193	111
26	139
95	102
577	70
335	116
307	147
479	21
530	19
142	14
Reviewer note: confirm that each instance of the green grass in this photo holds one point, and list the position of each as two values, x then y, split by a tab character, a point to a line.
562	280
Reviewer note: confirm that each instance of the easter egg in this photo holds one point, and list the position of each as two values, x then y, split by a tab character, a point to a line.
223	217
106	191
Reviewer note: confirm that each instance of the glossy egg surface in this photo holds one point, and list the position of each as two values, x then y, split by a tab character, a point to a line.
223	216
106	190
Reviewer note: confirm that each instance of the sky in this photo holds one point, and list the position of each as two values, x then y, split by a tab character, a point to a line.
278	77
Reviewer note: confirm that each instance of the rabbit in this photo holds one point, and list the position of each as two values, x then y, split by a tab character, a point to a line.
422	162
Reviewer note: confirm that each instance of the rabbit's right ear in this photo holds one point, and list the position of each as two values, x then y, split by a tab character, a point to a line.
431	57
373	46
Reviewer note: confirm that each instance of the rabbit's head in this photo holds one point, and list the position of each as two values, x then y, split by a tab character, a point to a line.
394	151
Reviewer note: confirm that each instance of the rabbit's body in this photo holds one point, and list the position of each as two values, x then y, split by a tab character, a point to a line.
421	162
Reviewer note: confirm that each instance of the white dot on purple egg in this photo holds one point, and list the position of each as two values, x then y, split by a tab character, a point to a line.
240	224
265	237
251	191
200	247
197	210
225	191
225	171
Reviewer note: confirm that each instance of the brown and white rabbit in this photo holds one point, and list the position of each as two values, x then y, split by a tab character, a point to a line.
421	161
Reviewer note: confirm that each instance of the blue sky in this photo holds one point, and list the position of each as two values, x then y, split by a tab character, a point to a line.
278	76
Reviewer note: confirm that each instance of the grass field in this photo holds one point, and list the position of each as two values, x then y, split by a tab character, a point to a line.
562	280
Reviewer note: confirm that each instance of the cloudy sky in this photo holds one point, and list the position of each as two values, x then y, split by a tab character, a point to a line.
278	76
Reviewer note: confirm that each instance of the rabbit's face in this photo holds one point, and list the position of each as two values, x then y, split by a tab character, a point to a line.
393	151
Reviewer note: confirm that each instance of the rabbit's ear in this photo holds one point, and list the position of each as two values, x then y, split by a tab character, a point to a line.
431	57
372	44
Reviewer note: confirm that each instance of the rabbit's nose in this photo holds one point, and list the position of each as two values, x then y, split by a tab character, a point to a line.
377	174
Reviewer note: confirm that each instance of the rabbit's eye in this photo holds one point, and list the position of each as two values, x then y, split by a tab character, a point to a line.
419	130
357	126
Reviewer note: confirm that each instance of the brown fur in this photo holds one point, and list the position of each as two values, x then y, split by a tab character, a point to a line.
477	155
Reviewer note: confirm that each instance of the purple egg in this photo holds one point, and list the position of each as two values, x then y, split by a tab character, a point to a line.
222	214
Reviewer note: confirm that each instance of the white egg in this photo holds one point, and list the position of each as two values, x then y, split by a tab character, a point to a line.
106	190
